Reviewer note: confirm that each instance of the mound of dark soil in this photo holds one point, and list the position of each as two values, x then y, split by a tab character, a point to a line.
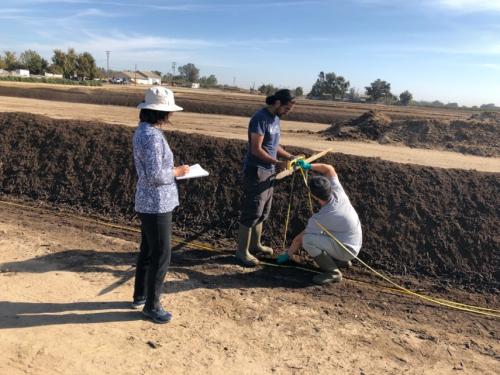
487	116
476	138
370	125
469	137
416	220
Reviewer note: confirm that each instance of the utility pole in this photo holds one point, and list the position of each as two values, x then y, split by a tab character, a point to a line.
174	66
107	64
234	81
135	74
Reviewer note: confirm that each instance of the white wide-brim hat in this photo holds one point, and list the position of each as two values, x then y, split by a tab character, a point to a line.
159	99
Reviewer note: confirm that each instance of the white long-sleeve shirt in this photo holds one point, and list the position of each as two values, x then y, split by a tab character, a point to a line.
156	190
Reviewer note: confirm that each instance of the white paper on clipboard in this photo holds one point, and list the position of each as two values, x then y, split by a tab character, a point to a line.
195	171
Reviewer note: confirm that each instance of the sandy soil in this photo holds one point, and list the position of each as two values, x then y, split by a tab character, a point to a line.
294	133
66	287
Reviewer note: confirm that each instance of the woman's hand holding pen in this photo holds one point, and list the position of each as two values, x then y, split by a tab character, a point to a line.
181	170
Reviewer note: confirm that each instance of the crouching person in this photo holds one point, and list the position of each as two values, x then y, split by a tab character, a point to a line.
336	216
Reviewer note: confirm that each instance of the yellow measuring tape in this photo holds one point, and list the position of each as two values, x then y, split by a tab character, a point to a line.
438	301
197	245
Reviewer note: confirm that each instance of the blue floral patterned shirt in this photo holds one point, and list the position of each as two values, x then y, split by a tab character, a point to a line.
156	190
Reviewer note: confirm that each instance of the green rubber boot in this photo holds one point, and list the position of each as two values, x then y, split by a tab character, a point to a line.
242	253
331	273
255	245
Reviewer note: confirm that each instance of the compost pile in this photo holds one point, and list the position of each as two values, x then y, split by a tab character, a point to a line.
478	136
486	116
416	220
370	125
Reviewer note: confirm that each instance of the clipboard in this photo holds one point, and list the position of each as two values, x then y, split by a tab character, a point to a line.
195	171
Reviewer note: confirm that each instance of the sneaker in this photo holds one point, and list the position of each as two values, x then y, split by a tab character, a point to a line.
157	315
138	303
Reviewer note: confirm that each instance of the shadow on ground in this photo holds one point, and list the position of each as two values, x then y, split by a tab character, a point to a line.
204	269
32	314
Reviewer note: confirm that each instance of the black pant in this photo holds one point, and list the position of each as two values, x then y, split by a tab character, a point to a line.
154	257
257	195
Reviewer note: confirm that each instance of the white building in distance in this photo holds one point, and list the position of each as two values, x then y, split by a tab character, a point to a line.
22	72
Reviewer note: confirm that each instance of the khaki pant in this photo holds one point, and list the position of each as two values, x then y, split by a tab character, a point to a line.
314	244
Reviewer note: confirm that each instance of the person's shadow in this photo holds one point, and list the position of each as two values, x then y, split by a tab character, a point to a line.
31	314
202	271
203	268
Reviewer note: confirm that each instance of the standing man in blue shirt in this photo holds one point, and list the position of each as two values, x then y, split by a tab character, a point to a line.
258	174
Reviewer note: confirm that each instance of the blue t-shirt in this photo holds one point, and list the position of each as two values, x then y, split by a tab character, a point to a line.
268	125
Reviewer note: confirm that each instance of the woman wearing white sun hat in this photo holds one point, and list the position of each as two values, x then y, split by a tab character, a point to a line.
155	199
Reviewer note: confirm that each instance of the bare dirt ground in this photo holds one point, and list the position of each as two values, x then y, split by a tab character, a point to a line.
301	134
66	286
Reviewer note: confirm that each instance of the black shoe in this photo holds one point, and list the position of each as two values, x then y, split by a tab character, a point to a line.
157	315
138	303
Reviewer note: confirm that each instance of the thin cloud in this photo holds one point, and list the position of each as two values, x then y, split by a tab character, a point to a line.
182	5
92	12
490	66
471	5
461	6
148	46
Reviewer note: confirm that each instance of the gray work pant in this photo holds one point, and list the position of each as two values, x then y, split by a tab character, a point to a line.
314	244
257	195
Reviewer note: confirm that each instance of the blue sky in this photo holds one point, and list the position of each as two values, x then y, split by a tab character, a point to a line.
446	50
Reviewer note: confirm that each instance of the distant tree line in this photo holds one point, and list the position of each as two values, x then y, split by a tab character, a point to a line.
70	64
330	86
269	89
187	74
82	66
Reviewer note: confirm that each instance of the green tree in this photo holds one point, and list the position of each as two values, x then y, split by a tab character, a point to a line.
405	97
2	63
86	67
10	60
66	61
169	77
71	63
317	90
331	85
379	90
58	59
210	81
299	91
268	89
32	61
55	69
189	73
